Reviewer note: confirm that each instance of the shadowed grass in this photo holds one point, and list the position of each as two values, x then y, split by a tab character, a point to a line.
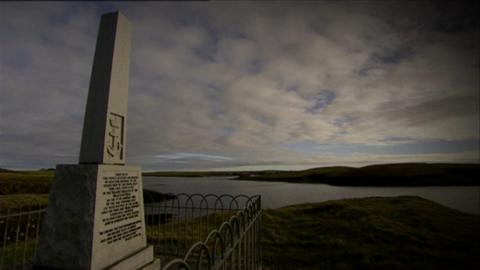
22	201
15	256
401	174
186	230
25	182
371	233
173	239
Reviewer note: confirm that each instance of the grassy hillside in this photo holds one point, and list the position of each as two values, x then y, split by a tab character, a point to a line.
368	233
22	202
23	189
371	233
190	174
305	176
16	182
402	174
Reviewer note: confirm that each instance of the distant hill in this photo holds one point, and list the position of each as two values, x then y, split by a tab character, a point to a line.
190	173
32	182
401	174
5	170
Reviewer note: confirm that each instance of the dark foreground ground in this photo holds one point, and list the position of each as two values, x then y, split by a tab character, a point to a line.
371	233
368	233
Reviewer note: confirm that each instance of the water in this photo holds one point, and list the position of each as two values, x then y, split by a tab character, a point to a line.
278	194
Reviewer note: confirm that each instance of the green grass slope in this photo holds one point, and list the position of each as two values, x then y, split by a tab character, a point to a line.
189	174
411	174
371	233
305	176
401	174
16	182
22	202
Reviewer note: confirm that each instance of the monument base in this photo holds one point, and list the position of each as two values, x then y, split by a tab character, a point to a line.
142	260
95	220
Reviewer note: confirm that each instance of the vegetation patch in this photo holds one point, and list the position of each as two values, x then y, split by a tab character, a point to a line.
23	202
399	174
16	182
370	233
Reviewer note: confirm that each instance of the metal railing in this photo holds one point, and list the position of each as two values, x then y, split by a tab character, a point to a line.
19	229
206	231
187	231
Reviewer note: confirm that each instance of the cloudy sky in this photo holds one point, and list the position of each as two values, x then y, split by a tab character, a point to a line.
249	85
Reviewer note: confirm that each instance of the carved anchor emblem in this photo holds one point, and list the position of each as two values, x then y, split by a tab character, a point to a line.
115	136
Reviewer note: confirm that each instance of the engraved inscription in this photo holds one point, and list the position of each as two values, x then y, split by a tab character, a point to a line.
120	213
115	135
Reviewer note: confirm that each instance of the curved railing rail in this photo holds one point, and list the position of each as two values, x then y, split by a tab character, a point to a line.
206	231
19	228
188	231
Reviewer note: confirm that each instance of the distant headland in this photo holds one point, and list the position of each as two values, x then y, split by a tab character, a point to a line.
398	174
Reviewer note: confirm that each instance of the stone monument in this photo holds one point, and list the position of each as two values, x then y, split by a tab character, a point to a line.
95	216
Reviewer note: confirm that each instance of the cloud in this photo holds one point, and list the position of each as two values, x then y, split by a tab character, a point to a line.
243	80
193	156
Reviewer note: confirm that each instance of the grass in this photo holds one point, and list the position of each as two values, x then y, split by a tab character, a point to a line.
17	182
367	233
371	233
297	176
16	256
188	230
401	174
23	201
189	174
173	239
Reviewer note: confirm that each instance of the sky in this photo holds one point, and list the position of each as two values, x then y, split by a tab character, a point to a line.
249	85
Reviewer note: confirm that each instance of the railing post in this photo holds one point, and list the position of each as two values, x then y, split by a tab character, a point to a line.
182	222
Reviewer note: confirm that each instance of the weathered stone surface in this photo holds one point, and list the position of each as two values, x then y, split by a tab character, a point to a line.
95	218
66	235
138	260
103	138
119	228
155	265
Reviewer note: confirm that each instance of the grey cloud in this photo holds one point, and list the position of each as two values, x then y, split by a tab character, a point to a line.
241	79
193	156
